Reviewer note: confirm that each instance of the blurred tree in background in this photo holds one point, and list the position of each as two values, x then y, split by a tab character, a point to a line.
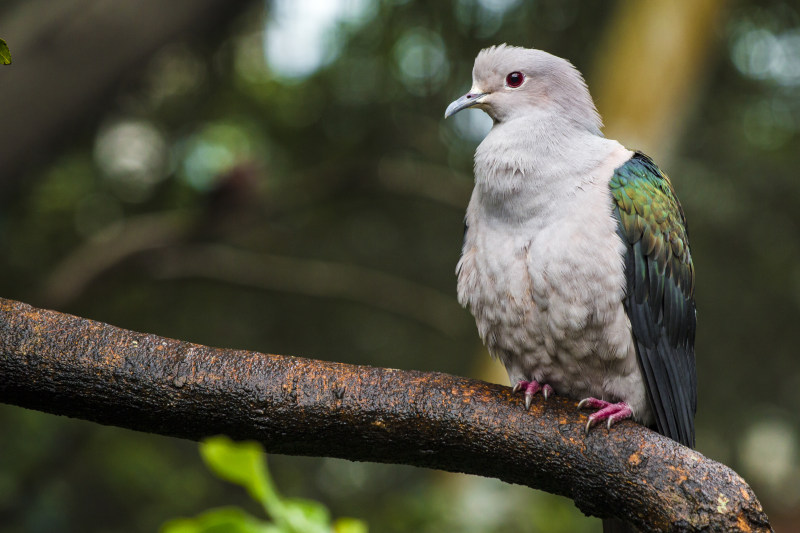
278	177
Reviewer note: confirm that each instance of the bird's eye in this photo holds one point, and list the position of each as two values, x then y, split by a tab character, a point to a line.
515	79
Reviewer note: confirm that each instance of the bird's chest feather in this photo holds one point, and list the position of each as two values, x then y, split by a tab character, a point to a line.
546	292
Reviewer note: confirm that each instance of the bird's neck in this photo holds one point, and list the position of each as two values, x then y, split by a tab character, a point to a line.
528	166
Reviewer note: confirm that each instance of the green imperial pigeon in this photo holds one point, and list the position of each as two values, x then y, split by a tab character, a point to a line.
576	261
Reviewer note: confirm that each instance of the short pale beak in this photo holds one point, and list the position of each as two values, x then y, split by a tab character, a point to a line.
468	100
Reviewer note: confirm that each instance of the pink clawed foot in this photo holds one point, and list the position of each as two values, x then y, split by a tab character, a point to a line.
613	412
531	388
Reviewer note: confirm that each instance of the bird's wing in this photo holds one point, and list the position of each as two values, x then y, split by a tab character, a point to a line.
659	297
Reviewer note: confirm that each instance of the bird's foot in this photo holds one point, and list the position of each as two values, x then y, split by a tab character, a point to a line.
613	412
531	388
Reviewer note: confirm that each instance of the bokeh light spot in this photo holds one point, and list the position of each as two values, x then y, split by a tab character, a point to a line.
763	55
421	60
300	36
133	155
217	147
769	454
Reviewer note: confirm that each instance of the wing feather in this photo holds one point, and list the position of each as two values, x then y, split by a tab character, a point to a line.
659	297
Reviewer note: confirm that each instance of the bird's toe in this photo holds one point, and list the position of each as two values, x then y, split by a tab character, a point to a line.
531	388
610	412
593	403
547	390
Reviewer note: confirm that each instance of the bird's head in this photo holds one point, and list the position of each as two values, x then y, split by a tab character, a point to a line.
510	82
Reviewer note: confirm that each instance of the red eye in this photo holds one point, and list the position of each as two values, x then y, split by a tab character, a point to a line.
515	79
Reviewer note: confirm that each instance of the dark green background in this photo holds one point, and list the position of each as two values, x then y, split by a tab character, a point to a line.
200	143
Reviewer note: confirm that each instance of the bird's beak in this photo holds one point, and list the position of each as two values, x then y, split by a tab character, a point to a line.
468	100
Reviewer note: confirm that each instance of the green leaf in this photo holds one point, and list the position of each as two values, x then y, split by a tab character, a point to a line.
222	520
5	54
305	516
350	525
243	463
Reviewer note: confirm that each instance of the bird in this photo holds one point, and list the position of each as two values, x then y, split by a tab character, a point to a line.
576	261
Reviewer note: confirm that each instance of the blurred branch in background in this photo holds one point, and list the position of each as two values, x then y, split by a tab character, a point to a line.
108	248
313	278
163	242
71	366
154	240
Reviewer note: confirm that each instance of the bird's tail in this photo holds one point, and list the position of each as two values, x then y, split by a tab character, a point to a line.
612	525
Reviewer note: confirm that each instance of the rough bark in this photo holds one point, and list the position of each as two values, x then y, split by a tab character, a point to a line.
72	366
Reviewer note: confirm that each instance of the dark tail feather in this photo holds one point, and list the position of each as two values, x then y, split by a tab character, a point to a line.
612	525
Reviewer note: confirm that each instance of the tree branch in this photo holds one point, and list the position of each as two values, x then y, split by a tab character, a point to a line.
330	279
72	366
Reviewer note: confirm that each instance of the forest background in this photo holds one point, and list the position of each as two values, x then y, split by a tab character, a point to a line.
278	177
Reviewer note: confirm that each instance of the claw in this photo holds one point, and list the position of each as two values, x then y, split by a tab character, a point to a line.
593	403
612	412
531	388
613	419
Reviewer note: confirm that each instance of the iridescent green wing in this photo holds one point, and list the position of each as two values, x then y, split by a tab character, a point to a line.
659	299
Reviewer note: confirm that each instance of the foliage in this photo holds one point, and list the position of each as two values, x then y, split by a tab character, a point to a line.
5	54
244	464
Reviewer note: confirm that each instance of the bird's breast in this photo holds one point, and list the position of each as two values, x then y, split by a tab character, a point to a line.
547	293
